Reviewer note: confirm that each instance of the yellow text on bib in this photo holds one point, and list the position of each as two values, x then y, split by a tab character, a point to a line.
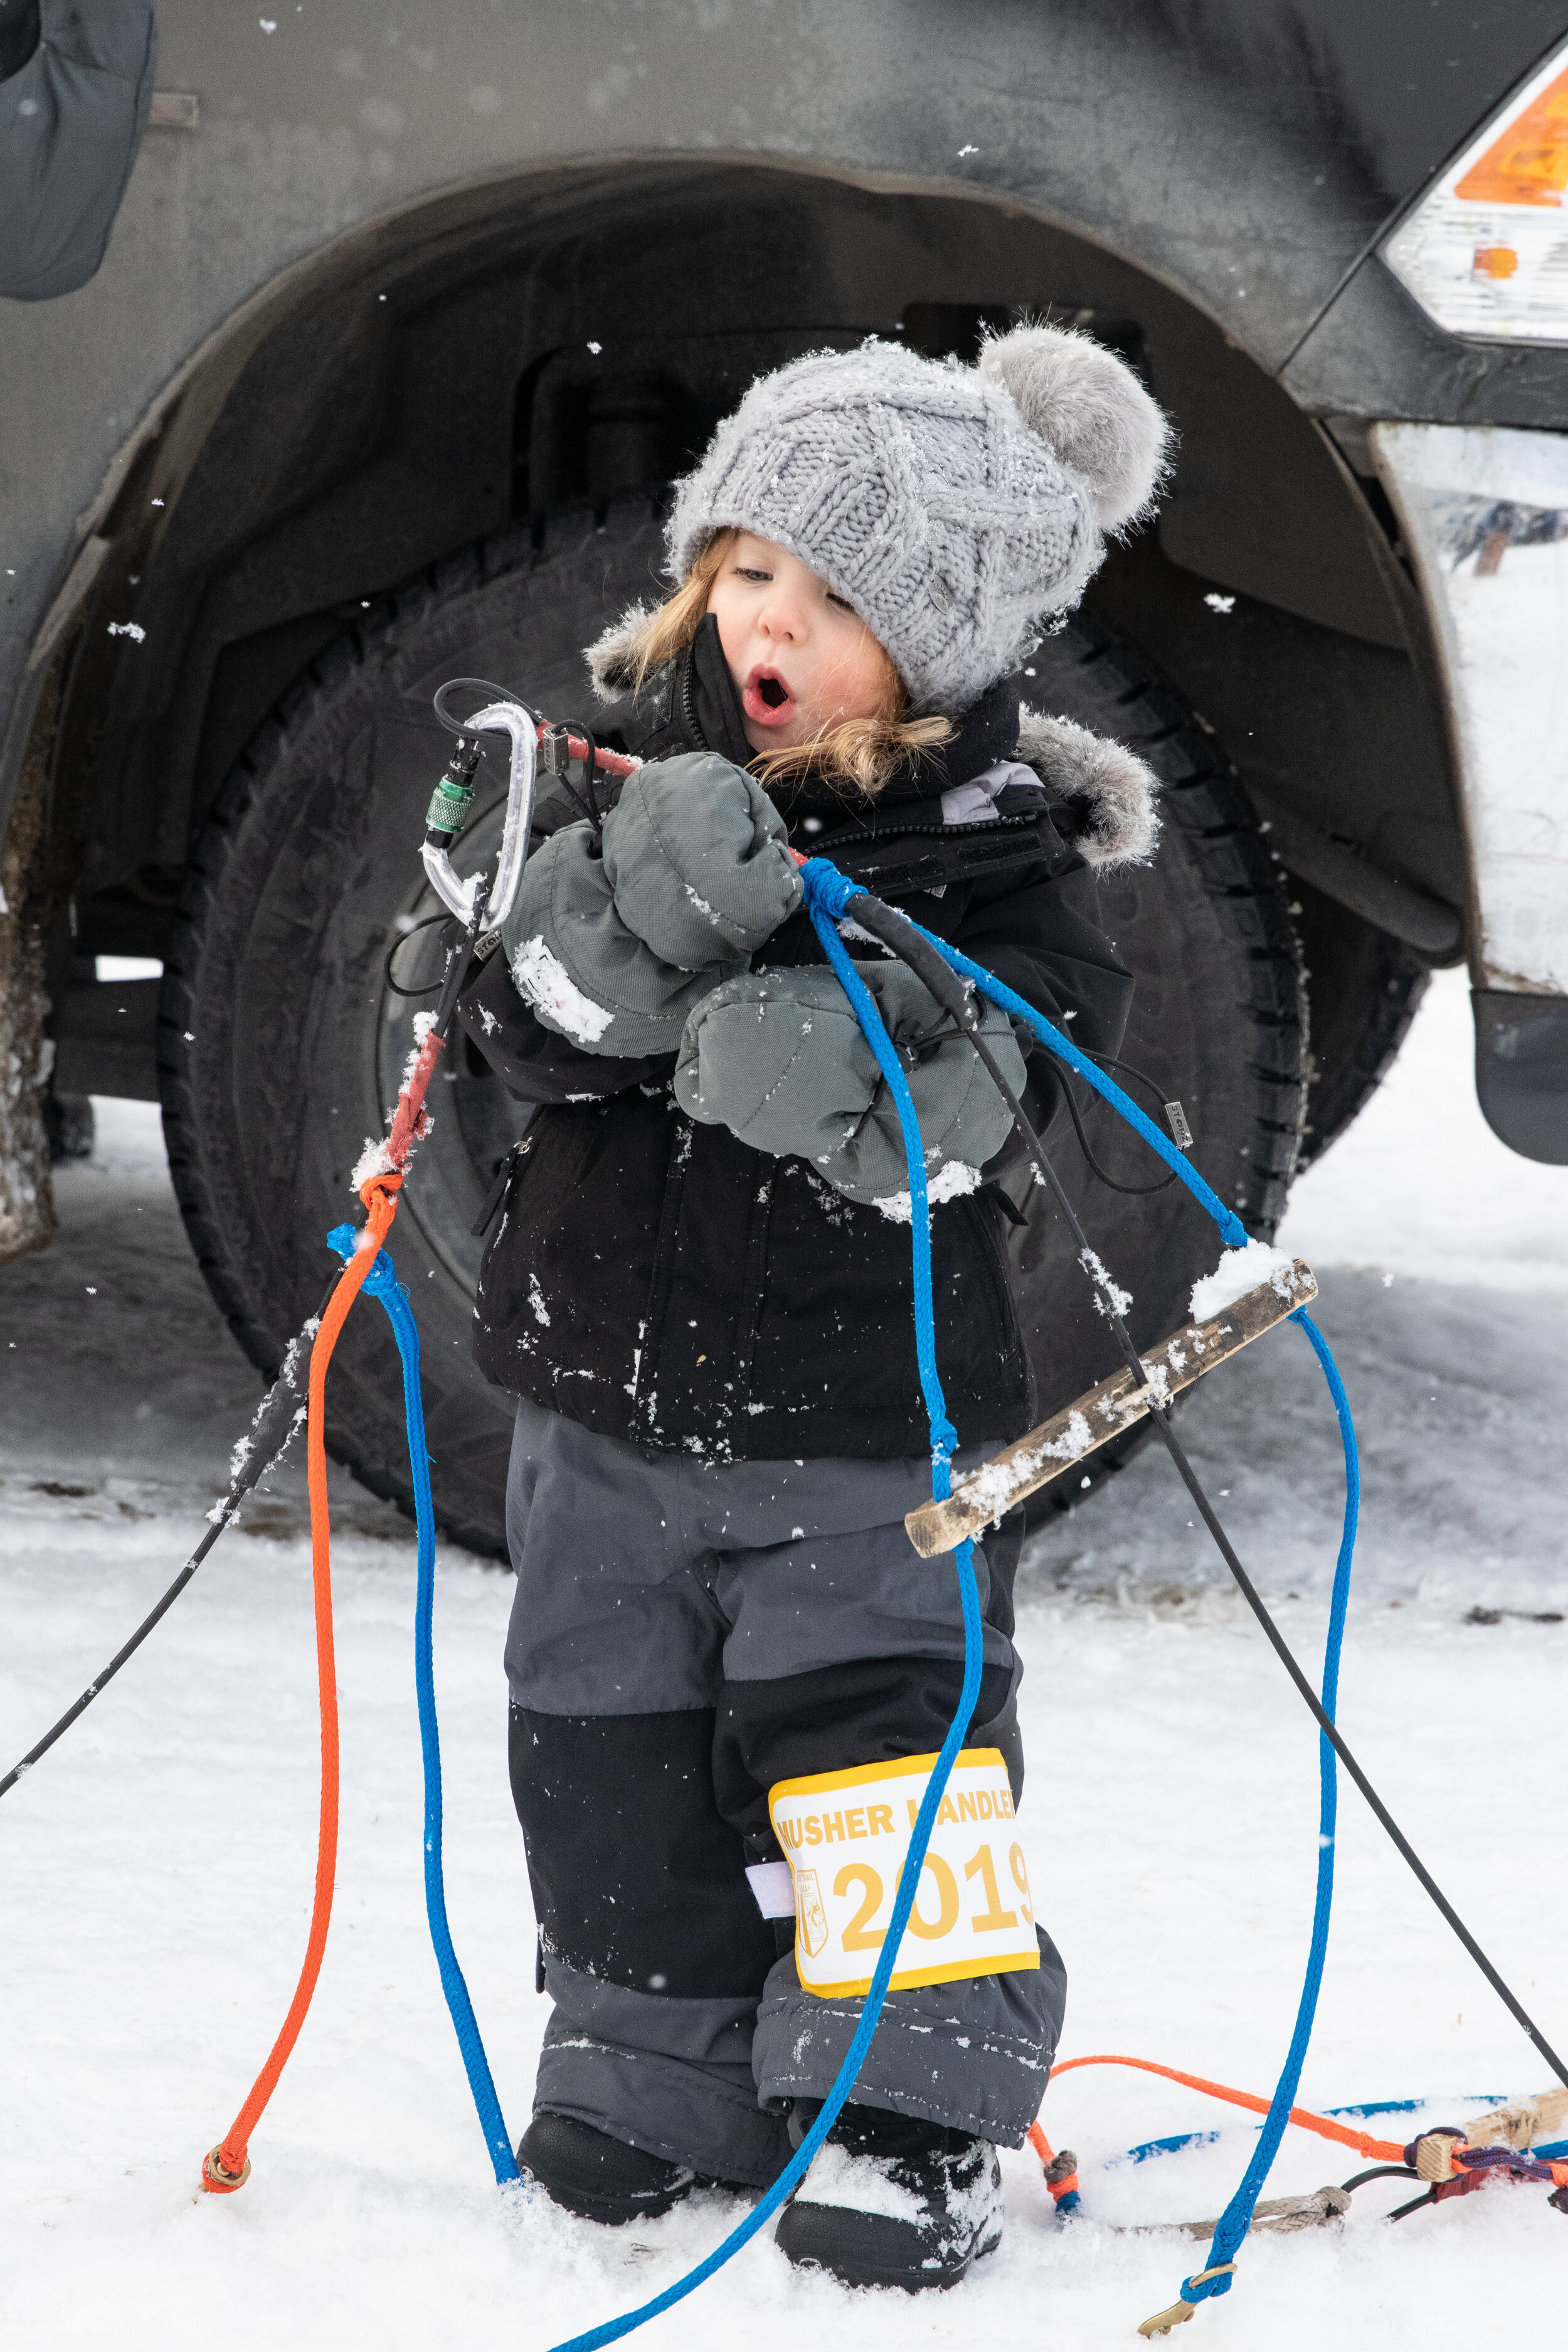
845	1835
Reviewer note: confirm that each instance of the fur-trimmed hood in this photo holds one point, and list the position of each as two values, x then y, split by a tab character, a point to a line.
609	655
1111	788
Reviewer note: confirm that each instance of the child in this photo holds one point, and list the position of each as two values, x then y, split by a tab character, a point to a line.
699	1289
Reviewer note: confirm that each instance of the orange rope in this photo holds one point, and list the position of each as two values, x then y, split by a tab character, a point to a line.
1382	2151
1060	2185
226	2167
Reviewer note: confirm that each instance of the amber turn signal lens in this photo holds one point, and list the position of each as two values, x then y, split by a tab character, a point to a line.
1529	163
1485	250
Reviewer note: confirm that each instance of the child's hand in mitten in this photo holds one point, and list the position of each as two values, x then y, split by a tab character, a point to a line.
698	858
779	1057
613	942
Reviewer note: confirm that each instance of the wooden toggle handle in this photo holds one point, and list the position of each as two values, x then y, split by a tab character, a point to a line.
984	1495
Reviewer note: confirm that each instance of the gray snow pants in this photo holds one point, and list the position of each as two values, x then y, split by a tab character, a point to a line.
684	1635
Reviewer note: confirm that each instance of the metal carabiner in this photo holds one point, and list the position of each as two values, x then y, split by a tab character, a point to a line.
459	896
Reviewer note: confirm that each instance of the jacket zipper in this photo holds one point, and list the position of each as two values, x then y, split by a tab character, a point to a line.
688	703
903	832
497	1193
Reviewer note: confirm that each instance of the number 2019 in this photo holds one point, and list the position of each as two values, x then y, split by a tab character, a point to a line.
859	1936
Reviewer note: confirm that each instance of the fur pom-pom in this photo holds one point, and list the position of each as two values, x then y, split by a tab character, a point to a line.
1110	786
609	657
1089	407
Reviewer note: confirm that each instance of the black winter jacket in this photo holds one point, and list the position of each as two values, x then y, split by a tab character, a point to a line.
659	1281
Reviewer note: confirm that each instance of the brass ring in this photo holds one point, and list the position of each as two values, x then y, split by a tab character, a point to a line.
217	2173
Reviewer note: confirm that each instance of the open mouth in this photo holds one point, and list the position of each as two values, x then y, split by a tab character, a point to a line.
766	698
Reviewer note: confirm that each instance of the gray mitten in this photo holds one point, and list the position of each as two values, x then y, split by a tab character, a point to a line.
779	1057
698	858
586	975
612	945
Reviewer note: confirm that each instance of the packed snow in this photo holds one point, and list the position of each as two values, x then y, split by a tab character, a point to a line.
864	2184
950	1181
544	979
1239	1271
157	1866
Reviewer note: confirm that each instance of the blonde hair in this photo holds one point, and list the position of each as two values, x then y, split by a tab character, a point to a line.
861	751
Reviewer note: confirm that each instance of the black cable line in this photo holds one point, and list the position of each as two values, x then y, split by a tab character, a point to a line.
277	1414
1115	1062
897	931
133	1644
947	1027
275	1420
459	957
575	797
430	986
491	692
1138	1191
590	776
1381	2172
1254	1599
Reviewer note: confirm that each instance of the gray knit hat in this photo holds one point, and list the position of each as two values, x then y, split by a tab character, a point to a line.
957	508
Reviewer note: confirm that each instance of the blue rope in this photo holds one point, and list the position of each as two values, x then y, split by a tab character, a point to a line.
1234	2221
944	1437
381	1283
1150	2147
1062	1046
828	895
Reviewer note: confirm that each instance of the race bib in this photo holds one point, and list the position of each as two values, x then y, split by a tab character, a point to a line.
845	1835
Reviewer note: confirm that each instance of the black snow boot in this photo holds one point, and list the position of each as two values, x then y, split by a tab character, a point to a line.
892	2201
598	2177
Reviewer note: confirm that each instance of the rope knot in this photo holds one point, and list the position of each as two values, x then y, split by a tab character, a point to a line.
1195	2290
381	1281
379	1193
827	889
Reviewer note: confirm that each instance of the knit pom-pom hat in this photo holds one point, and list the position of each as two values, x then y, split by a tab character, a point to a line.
958	509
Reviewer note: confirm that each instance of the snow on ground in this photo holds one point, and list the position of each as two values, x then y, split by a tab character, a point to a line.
1422	1188
157	1866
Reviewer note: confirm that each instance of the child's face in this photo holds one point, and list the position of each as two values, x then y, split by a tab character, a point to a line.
801	658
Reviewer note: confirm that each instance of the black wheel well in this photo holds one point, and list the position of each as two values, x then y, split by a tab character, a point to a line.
419	383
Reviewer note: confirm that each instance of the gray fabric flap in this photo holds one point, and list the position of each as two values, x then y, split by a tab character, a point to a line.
70	122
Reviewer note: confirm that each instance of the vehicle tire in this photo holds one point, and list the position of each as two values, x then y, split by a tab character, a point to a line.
1217	1023
281	1046
1363	988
